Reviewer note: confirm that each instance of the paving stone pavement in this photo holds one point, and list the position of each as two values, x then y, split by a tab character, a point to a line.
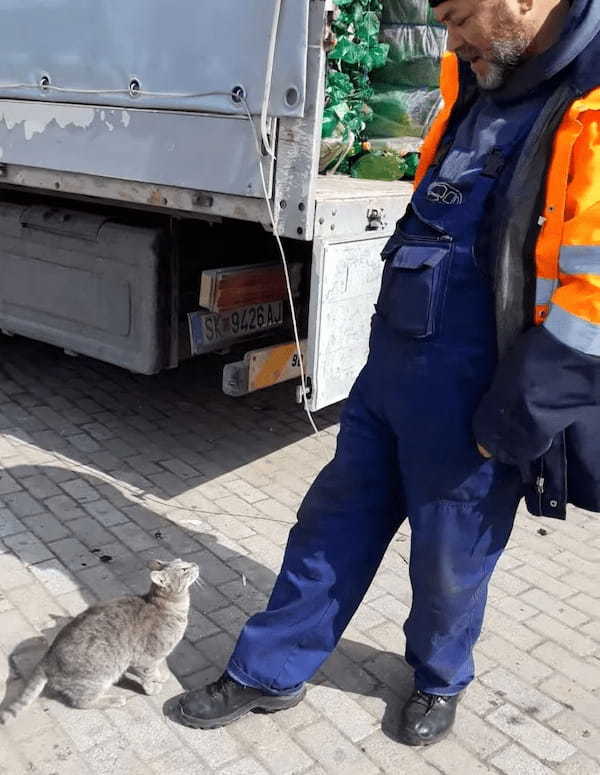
98	463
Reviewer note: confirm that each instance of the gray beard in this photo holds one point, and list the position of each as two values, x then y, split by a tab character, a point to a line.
506	56
494	78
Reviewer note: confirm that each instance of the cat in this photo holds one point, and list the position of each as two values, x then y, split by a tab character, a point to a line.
130	636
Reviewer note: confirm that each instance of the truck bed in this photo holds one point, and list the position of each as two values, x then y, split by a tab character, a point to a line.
343	187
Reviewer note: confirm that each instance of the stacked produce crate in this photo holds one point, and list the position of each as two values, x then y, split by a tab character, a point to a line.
383	87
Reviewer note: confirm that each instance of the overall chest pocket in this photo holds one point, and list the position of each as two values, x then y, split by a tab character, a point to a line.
414	284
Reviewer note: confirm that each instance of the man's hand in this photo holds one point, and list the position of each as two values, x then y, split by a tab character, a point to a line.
483	452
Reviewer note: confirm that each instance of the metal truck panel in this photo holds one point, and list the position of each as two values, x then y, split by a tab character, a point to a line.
204	165
354	219
345	281
86	284
347	207
190	150
168	48
131	194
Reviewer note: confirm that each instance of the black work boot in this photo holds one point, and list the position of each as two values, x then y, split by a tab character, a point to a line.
427	718
226	700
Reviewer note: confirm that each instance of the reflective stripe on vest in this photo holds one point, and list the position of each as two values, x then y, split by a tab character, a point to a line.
580	259
544	290
573	331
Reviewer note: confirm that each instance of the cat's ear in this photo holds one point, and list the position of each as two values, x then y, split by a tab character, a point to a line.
157	565
159	578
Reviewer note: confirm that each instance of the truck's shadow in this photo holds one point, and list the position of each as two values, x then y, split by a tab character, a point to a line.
135	421
117	422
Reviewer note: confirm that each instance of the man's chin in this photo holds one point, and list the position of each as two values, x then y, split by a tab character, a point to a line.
489	75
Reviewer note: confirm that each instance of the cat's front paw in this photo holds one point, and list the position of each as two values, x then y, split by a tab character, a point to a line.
165	672
152	687
6	717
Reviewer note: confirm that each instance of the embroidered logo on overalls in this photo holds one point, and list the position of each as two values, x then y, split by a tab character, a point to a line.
444	193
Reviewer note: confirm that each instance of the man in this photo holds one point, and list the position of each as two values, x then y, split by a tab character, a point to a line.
483	379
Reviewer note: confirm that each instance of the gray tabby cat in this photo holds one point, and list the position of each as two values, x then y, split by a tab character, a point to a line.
130	636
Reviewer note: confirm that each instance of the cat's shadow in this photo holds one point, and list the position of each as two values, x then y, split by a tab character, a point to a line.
21	663
235	586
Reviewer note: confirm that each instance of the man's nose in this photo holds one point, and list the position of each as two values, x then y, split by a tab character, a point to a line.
455	39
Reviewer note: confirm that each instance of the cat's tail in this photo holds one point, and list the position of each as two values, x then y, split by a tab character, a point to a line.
32	690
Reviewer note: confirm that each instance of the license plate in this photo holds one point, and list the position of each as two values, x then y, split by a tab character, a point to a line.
213	330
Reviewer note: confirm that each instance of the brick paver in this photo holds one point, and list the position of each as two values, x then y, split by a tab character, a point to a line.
102	470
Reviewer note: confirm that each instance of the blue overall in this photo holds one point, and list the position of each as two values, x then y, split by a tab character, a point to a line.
406	448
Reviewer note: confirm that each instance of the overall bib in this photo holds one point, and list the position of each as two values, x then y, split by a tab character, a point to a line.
406	448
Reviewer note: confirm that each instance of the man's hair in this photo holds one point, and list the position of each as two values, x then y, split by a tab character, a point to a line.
433	3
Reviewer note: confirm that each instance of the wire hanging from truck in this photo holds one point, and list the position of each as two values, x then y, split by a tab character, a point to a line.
284	261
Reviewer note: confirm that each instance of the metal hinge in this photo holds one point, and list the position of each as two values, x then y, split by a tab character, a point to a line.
300	393
375	220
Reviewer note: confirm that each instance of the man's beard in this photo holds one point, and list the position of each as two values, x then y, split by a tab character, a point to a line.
504	57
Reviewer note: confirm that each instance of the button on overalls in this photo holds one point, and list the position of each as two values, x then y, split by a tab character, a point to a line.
406	448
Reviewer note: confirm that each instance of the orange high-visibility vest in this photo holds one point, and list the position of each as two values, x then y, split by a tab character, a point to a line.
568	247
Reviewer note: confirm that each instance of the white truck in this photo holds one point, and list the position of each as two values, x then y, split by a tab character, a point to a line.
131	178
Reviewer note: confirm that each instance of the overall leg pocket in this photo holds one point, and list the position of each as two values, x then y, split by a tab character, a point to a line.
414	285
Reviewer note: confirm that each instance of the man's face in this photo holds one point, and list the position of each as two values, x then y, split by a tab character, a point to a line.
492	35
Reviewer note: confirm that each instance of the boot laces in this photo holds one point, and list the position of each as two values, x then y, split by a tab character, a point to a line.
429	700
220	686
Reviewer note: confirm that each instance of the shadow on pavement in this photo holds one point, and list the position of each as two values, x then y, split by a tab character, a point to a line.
122	424
101	567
